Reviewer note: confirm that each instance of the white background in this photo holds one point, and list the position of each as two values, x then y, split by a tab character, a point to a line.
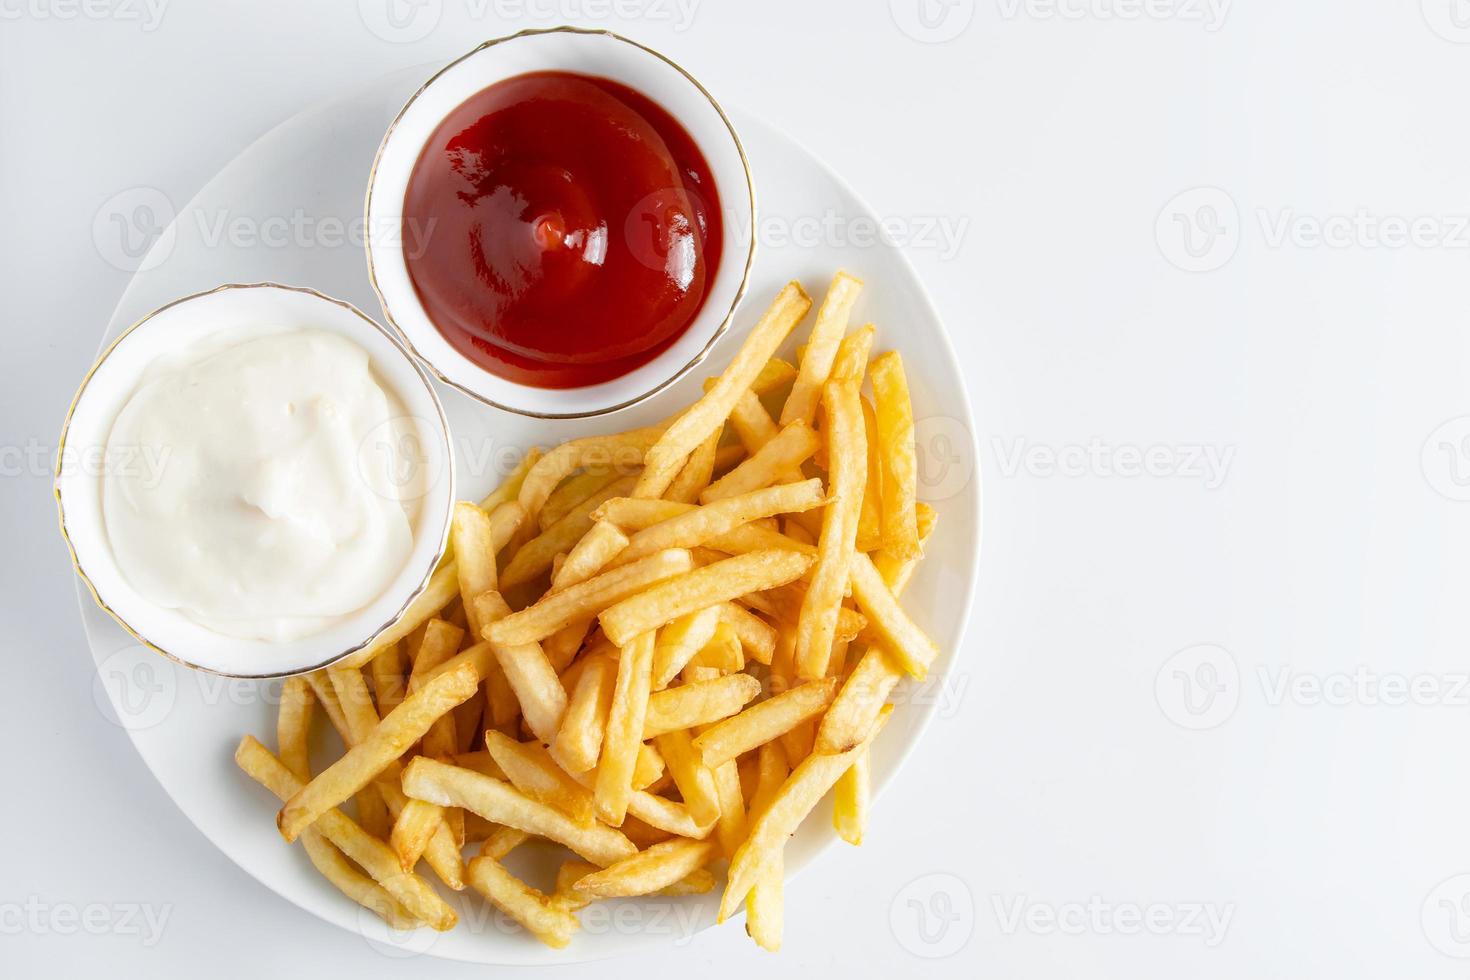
1083	776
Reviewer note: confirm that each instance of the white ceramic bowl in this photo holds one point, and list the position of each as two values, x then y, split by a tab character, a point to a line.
598	53
112	381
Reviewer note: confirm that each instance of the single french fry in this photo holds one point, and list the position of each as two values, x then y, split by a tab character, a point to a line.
571	492
474	557
579	742
852	354
762	722
773	374
560	609
602	542
680	641
534	558
387	669
765	905
785	453
703	524
697	882
695	781
371	854
891	626
543	918
698	589
530	769
402	727
753	425
427	779
821	349
635	515
757	637
850	800
502	840
620	452
723	652
848	454
697	472
415	825
648	871
624	729
870	516
293	726
668	454
704	703
895	417
796	798
538	690
731	827
649	767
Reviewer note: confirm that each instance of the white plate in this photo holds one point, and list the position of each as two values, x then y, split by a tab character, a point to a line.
276	213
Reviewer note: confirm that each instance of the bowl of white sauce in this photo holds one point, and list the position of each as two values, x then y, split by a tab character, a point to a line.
256	481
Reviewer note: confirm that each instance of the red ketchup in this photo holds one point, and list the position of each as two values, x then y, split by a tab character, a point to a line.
561	230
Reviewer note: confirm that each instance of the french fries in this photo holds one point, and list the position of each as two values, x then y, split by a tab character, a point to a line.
673	447
806	785
692	705
498	802
817	625
895	422
821	349
650	870
405	725
558	610
660	621
792	446
624	733
760	723
700	589
370	853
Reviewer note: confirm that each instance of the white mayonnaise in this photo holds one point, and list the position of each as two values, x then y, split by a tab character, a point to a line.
259	520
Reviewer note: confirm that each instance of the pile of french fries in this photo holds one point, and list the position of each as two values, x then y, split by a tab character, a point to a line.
659	649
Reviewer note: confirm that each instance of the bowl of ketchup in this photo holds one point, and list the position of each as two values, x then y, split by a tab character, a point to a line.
561	223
